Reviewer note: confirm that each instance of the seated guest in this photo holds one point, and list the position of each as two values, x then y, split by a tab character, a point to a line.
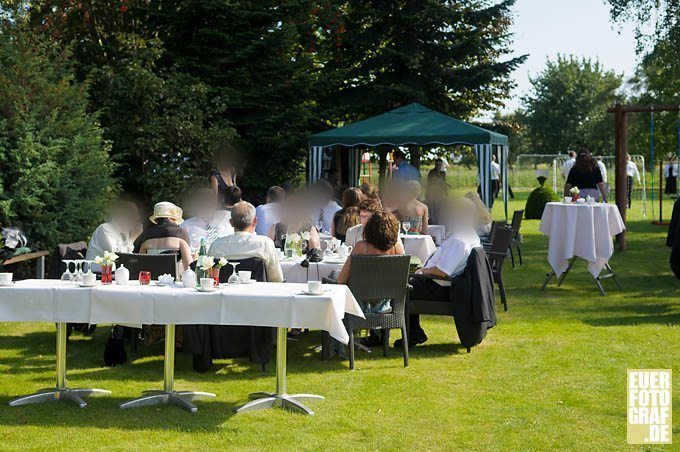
118	234
231	196
323	216
412	210
245	243
380	238
586	175
367	208
483	219
164	234
208	222
369	190
270	213
348	216
295	219
447	261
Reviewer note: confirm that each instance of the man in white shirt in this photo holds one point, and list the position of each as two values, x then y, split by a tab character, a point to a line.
448	261
568	164
245	243
118	234
270	213
323	217
632	174
207	222
603	169
495	179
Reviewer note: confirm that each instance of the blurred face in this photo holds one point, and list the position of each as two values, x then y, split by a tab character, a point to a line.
364	216
204	204
438	165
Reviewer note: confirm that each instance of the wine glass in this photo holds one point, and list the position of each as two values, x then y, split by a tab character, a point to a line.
67	275
78	277
406	225
233	279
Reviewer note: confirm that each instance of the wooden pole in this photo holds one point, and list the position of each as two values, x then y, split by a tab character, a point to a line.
620	151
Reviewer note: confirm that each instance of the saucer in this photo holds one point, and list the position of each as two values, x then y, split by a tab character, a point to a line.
212	289
11	283
86	285
250	281
321	292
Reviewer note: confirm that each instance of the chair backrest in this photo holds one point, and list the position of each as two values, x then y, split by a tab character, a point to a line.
157	264
495	225
499	248
517	221
255	265
380	277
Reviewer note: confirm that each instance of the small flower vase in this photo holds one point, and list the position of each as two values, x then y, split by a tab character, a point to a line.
574	197
107	274
215	274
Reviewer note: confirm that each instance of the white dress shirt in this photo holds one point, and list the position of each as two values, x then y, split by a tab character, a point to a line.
242	245
566	167
632	171
324	216
451	258
495	171
603	170
267	215
199	228
107	237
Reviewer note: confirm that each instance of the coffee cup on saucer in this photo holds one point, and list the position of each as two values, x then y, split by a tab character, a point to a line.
89	279
244	276
6	279
567	199
207	283
314	287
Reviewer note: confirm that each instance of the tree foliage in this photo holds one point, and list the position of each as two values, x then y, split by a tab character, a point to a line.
567	106
55	174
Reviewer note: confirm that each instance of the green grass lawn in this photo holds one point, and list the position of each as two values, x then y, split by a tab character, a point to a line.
552	374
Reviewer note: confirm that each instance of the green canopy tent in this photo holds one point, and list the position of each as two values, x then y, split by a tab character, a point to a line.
415	125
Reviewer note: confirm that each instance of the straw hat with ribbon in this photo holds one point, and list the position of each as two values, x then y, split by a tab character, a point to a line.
166	210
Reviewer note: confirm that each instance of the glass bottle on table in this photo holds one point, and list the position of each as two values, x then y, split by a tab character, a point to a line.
200	273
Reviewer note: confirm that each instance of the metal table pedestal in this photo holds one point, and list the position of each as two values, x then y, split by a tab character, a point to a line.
598	279
61	392
168	395
280	399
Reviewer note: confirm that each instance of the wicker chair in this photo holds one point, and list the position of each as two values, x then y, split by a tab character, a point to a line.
157	264
375	278
496	255
494	225
517	236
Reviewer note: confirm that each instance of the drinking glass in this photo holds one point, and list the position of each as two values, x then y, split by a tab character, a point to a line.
79	271
144	278
67	275
406	225
233	279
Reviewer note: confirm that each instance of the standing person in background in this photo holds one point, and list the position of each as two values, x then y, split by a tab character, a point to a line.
231	197
586	176
568	164
269	213
670	172
438	172
495	179
631	172
405	171
348	216
223	175
435	199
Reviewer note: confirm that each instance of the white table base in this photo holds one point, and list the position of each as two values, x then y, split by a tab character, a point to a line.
168	396
279	399
60	393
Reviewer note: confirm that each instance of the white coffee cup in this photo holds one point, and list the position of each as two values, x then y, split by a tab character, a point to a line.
89	279
207	283
314	286
244	275
581	201
567	199
5	279
344	251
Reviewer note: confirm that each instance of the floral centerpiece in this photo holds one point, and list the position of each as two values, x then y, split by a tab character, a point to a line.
107	262
574	194
208	268
294	243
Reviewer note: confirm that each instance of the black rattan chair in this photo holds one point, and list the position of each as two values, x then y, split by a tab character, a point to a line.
496	255
486	242
374	278
517	236
157	264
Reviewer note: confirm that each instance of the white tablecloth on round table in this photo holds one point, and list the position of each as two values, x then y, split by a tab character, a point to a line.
438	233
421	246
580	230
259	304
293	272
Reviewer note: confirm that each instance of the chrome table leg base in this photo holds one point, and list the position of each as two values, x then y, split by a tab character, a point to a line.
293	402
74	396
180	399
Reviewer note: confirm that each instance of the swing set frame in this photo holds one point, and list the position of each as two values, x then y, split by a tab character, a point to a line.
621	149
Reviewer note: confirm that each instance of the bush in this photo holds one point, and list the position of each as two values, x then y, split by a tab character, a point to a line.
537	200
55	173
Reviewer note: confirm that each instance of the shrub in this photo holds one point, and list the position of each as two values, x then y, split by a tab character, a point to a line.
55	173
537	200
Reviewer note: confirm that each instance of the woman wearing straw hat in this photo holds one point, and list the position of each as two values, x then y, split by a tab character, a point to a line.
164	234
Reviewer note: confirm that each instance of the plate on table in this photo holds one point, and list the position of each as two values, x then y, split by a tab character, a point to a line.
315	294
9	284
86	285
250	281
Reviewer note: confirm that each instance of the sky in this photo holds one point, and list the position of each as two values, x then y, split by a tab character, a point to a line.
545	28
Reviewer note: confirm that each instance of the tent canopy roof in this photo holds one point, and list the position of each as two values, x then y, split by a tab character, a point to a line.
411	124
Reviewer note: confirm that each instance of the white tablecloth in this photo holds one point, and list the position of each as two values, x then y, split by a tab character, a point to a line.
421	246
581	230
293	272
259	304
438	233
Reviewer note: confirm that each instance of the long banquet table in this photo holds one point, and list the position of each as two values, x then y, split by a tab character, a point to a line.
261	304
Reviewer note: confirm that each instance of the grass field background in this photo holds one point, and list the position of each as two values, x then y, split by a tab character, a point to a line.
551	375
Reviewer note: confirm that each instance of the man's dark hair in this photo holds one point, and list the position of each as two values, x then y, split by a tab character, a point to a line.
275	194
398	154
